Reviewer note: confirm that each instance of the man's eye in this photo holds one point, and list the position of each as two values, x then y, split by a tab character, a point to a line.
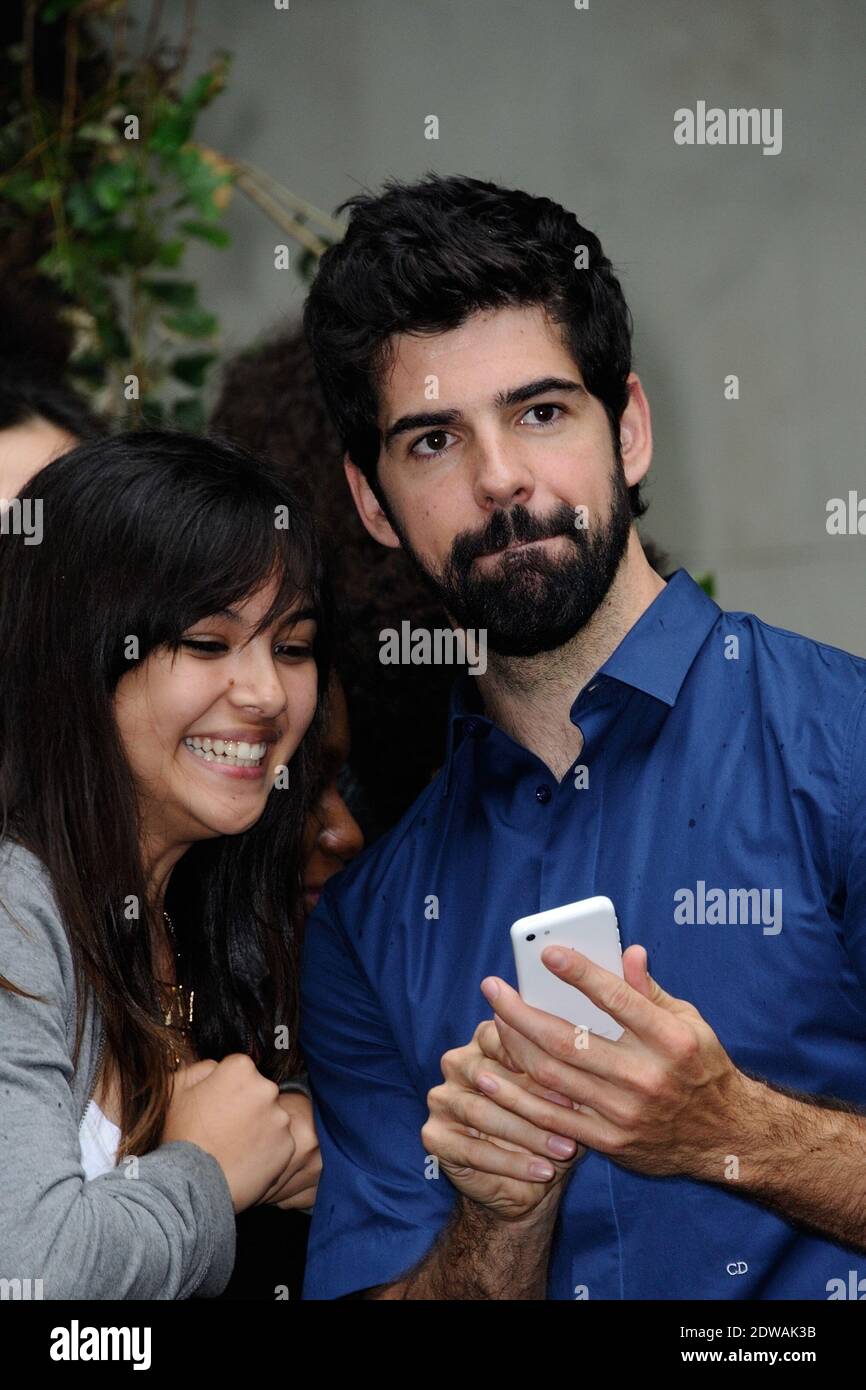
436	442
544	413
200	645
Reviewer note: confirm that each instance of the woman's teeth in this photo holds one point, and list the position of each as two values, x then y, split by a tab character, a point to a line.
227	751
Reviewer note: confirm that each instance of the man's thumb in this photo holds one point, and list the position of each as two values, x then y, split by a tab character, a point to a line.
636	973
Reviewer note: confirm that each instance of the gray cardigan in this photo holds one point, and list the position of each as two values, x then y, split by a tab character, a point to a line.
168	1232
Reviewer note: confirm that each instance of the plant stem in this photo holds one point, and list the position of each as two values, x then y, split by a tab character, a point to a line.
70	86
288	224
279	192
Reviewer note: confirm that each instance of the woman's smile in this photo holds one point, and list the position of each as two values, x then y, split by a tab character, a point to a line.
238	753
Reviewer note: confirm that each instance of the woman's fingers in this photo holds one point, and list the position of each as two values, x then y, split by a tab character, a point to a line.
302	1201
193	1073
303	1180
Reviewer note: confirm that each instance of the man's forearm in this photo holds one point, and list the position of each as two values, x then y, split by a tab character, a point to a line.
803	1156
479	1256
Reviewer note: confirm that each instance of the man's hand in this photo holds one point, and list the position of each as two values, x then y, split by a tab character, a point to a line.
509	1171
497	1152
664	1099
295	1189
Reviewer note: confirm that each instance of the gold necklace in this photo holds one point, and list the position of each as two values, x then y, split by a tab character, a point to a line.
177	1002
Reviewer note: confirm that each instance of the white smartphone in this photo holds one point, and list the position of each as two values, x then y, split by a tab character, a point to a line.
588	926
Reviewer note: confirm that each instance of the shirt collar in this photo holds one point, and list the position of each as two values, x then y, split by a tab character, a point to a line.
654	656
657	652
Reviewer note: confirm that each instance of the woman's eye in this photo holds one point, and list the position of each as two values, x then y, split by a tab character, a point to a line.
543	411
298	651
436	441
198	644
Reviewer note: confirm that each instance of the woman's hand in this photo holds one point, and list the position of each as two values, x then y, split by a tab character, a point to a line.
234	1113
295	1189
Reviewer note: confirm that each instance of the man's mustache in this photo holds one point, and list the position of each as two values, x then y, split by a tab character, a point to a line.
516	526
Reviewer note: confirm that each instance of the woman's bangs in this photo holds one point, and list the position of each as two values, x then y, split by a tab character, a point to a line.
236	562
296	583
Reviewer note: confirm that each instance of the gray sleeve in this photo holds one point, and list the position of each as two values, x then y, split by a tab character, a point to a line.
167	1230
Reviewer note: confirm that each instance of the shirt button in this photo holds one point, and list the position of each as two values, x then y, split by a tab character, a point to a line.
543	793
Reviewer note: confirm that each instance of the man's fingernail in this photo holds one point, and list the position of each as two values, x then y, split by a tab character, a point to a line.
488	1083
555	957
563	1148
557	1099
539	1169
490	989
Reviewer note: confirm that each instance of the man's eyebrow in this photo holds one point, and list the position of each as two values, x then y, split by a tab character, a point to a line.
434	419
518	394
439	419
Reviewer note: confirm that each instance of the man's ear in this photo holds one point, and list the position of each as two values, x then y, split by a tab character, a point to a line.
374	519
635	433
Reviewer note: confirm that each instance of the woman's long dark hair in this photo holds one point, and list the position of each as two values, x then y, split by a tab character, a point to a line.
145	534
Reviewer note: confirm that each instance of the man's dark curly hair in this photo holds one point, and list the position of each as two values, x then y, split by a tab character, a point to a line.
423	257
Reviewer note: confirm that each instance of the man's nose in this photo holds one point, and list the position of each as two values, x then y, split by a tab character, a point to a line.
502	477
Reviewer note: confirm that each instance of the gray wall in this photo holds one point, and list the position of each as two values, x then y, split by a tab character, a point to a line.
732	261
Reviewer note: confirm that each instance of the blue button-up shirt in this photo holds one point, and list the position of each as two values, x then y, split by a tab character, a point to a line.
720	801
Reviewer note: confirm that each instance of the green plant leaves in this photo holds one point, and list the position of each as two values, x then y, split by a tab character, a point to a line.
99	134
180	294
171	130
207	231
170	253
111	217
28	193
199	182
192	323
188	414
192	369
174	121
112	185
55	9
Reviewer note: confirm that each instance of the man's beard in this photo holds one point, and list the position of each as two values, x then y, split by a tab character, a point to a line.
533	602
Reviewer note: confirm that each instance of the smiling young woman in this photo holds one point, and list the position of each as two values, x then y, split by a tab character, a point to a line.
165	663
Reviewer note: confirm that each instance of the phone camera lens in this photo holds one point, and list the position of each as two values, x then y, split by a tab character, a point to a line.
531	936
